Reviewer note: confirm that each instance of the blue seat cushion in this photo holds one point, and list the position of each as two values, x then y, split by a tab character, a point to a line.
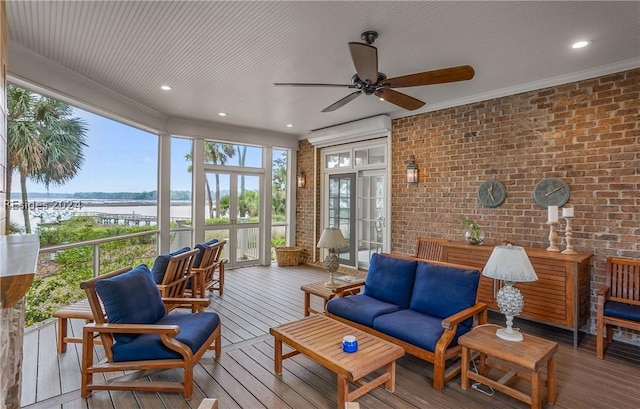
441	291
202	247
390	279
195	328
415	328
622	310
161	262
131	298
360	308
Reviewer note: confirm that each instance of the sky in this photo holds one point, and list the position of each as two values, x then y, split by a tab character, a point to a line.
120	158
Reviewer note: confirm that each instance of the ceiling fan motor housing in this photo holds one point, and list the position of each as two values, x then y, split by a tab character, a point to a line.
366	87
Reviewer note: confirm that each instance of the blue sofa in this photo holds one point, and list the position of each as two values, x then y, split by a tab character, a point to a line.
421	305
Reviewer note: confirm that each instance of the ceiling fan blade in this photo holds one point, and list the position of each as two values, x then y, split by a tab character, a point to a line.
344	101
365	59
461	73
399	99
298	84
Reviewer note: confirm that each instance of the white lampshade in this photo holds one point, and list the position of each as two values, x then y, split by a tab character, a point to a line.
509	263
332	238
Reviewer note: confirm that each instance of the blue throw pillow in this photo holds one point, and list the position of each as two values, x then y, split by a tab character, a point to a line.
202	247
161	262
441	291
131	298
390	279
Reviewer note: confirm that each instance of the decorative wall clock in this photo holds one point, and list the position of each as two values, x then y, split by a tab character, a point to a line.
492	193
551	192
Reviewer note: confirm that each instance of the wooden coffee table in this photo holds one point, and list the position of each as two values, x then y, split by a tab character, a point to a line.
530	355
320	338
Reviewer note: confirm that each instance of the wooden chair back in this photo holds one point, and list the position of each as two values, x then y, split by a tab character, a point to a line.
99	316
176	276
623	279
210	273
429	248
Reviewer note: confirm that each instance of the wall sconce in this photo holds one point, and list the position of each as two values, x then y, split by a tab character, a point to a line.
302	181
412	171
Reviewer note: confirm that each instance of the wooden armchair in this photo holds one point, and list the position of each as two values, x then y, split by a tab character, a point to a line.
208	270
141	335
619	300
429	249
176	277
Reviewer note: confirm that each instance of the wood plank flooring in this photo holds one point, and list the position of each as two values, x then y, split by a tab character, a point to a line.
257	298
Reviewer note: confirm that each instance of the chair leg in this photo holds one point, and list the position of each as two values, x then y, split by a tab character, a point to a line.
87	362
221	282
600	340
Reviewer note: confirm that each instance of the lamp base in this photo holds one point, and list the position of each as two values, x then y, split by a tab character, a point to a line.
514	336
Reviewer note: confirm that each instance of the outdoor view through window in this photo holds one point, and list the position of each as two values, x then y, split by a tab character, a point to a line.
76	176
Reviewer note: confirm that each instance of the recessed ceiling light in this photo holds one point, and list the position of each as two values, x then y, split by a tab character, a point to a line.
381	99
580	44
165	88
222	114
289	125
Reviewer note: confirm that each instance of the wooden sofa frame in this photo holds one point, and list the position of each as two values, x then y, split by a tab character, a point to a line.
429	248
167	334
622	284
443	350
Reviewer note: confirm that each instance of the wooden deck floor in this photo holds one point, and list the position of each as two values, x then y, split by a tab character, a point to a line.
257	298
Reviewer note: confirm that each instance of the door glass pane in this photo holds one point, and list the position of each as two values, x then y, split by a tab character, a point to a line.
342	213
371	221
249	199
216	198
248	244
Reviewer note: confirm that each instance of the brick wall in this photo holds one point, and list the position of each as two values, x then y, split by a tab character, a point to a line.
586	133
306	215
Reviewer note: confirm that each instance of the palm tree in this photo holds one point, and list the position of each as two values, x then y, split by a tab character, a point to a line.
218	154
45	143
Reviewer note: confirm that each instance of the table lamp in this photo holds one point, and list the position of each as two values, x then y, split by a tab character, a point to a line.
331	239
511	265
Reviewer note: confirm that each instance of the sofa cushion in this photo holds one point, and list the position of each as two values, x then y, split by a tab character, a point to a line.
415	328
194	331
442	291
360	308
622	310
390	279
202	247
161	262
131	298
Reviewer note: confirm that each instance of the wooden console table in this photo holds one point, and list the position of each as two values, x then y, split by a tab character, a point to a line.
560	297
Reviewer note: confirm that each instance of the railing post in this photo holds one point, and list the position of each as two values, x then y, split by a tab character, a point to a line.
96	259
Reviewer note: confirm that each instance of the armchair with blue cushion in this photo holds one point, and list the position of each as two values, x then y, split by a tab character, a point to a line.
423	306
172	273
618	301
141	335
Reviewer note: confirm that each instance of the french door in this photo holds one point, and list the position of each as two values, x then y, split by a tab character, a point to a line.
233	204
342	210
372	222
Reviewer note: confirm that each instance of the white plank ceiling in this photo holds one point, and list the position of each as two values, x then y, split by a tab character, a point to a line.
224	56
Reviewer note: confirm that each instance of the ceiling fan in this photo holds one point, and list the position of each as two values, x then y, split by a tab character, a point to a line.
368	80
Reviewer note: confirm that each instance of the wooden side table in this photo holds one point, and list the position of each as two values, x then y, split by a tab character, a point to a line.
531	355
326	293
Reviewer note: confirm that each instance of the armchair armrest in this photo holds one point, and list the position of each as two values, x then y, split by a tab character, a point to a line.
603	295
478	309
171	330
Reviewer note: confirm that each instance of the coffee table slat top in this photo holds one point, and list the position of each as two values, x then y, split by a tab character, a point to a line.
320	338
